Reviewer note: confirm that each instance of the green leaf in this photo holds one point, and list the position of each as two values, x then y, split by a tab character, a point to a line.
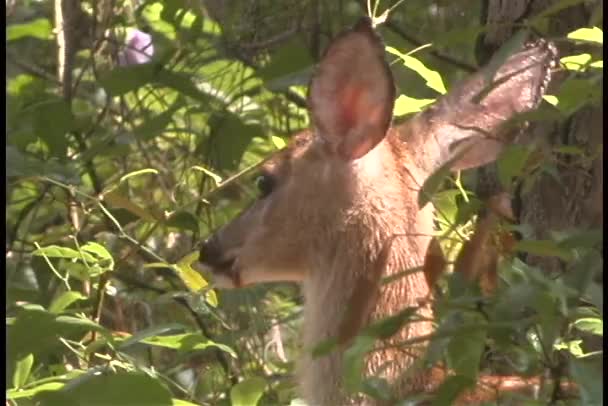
119	201
156	125
591	325
377	388
64	300
552	100
465	349
511	164
450	389
231	136
150	332
406	105
594	35
182	83
124	79
576	62
181	402
39	28
52	119
120	389
28	393
389	326
354	361
432	78
588	375
545	248
183	220
22	370
575	93
247	392
186	342
138	173
292	57
216	178
100	252
55	251
278	142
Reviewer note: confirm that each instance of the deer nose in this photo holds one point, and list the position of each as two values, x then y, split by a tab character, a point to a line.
211	252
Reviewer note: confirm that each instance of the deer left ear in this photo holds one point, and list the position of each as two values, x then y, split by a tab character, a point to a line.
351	95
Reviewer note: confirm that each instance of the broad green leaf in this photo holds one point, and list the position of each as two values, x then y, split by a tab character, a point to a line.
511	164
594	35
247	392
55	251
389	326
575	93
22	371
156	125
465	349
118	201
28	393
292	57
186	342
545	248
184	220
119	389
597	64
432	78
138	173
64	300
552	100
406	105
150	332
450	389
231	137
39	28
354	361
216	178
124	79
588	374
576	62
590	325
101	252
181	402
278	142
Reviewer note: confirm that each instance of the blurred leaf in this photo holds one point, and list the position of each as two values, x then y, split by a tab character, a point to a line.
552	100
119	389
55	251
216	178
354	361
22	371
576	62
389	326
432	78
511	163
377	388
138	173
576	93
183	220
150	332
181	402
39	28
247	392
230	137
594	35
115	199
193	279
406	105
186	342
28	393
182	83
100	252
64	300
588	375
591	325
465	349
52	120
290	58
545	248
124	79
450	389
278	142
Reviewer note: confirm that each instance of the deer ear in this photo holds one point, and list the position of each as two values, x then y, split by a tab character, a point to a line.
351	95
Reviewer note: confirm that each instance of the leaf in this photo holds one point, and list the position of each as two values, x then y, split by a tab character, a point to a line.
64	300
406	105
100	252
576	62
182	83
575	93
216	178
39	28
183	220
55	251
186	342
552	100
137	173
278	142
156	125
28	393
591	325
118	201
231	136
354	361
378	388
432	78
22	371
181	402
511	163
545	248
450	389
247	392
594	35
465	349
291	57
124	79
150	332
193	279
119	389
52	119
588	374
389	326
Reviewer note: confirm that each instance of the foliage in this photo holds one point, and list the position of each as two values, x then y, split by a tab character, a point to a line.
111	187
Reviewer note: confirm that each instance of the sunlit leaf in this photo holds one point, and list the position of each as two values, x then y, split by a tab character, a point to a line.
185	342
22	370
594	35
39	28
216	178
138	173
247	392
590	325
576	62
433	79
406	105
65	300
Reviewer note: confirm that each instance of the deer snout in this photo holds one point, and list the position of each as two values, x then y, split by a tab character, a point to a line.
212	256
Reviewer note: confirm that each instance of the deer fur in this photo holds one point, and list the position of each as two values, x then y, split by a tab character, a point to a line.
344	192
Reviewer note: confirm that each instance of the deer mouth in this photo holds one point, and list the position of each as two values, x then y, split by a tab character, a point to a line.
223	270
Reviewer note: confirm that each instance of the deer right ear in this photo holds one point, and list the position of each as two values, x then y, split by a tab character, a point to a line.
351	95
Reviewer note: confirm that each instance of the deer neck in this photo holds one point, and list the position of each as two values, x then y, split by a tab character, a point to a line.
332	290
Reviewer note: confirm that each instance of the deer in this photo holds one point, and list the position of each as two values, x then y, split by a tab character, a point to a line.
337	209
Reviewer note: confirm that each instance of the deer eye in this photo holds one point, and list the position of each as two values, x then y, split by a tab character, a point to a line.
265	184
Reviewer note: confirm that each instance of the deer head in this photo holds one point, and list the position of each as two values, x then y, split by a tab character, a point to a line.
331	200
